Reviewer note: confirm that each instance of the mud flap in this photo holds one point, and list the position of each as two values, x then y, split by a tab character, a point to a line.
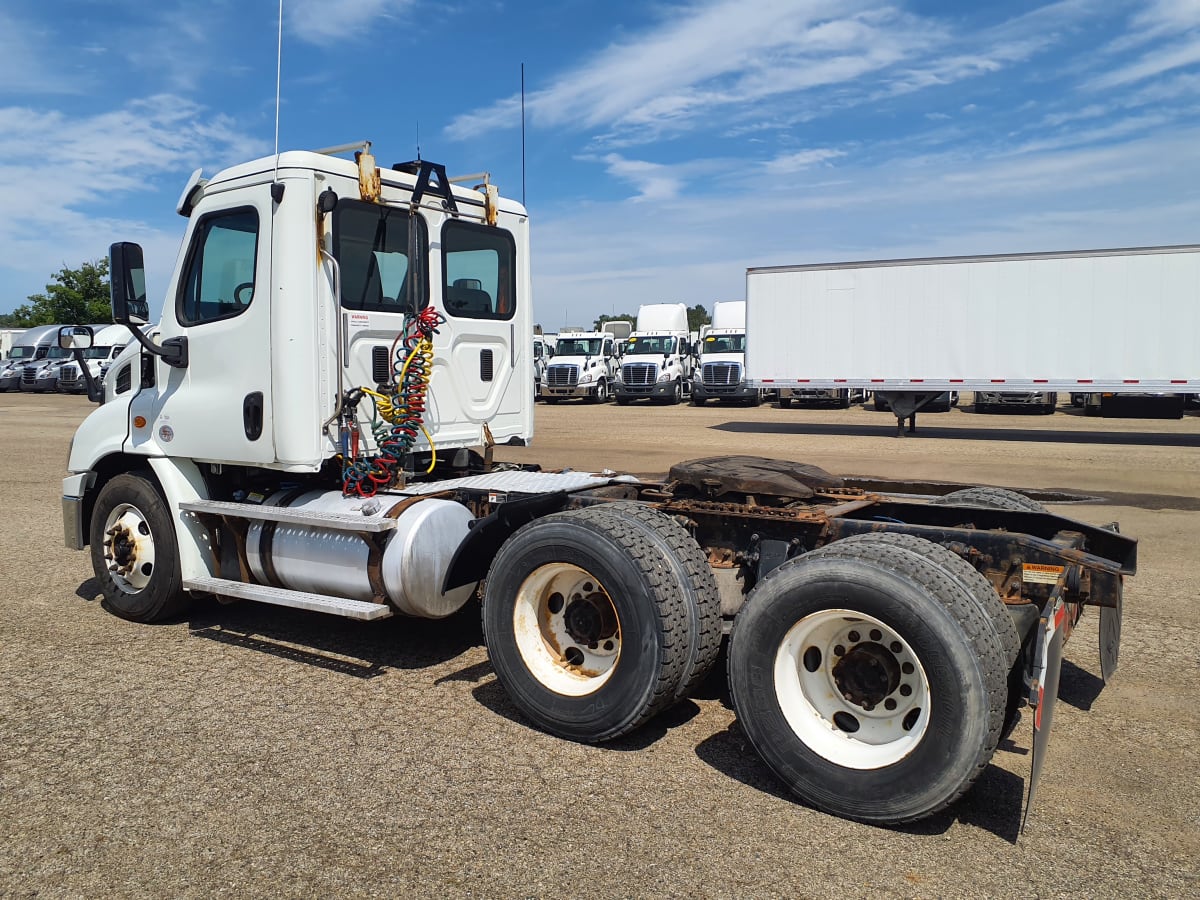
1110	639
1044	692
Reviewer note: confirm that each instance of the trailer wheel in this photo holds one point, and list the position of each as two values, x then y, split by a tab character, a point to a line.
585	626
134	552
865	681
990	498
978	588
692	571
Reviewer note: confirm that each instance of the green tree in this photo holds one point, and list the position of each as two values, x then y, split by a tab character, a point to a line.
697	316
76	297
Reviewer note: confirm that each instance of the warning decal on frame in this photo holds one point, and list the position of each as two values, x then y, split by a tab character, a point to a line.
1036	573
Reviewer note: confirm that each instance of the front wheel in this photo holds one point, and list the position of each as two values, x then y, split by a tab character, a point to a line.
601	394
676	394
865	682
134	551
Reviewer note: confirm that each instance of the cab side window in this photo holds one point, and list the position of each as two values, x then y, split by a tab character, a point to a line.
479	277
218	281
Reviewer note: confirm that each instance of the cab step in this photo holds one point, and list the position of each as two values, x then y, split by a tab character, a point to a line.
332	521
261	593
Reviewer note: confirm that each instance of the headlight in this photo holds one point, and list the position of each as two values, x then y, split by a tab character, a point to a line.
664	376
585	378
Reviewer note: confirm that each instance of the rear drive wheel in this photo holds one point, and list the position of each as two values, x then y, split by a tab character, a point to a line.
134	551
585	626
978	588
866	681
690	566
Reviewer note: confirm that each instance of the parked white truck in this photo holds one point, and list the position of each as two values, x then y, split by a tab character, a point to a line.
721	373
658	357
585	363
1123	321
332	451
107	344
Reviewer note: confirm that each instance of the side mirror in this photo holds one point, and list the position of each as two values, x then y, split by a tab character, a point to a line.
127	274
75	337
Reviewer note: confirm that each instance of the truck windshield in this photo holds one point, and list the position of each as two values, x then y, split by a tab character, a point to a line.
644	346
21	353
724	343
578	347
96	352
58	353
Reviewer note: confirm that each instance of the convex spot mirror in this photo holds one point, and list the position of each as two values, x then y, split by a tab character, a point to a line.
127	275
75	337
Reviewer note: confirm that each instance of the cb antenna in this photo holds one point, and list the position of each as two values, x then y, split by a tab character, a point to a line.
278	72
418	138
522	131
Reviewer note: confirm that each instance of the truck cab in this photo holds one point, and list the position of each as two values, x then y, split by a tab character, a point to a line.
658	360
721	373
585	364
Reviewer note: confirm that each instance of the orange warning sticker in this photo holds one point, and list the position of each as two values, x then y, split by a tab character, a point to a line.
1035	573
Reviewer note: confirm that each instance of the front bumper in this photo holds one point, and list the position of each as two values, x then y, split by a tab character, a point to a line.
575	390
74	492
658	389
701	391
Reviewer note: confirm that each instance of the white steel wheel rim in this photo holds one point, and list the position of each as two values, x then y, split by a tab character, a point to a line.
566	629
852	689
129	548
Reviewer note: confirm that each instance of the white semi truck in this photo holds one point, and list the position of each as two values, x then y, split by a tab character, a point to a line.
658	357
721	373
585	363
312	427
1121	321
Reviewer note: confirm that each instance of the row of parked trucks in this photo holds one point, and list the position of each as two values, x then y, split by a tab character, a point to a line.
655	358
34	361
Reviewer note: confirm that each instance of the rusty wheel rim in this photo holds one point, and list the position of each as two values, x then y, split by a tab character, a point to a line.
567	629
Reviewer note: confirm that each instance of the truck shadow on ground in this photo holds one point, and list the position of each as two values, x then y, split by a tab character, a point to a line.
491	695
993	804
357	649
926	429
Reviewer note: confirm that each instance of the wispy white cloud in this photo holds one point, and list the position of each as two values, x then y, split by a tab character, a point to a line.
97	163
790	163
324	21
653	181
1163	59
26	61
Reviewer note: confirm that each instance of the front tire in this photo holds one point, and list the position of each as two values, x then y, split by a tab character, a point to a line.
585	626
134	551
866	681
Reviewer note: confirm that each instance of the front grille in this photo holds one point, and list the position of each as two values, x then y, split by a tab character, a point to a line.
29	376
721	374
562	376
639	374
68	375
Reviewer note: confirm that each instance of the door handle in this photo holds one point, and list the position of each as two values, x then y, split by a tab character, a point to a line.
252	415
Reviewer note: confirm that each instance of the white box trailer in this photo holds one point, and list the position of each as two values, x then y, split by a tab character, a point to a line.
1122	321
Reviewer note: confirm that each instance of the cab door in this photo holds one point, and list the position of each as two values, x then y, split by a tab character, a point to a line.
219	407
483	365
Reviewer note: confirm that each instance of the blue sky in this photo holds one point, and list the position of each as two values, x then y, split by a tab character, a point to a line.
669	145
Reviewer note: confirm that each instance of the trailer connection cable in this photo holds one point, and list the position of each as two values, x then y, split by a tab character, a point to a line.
398	416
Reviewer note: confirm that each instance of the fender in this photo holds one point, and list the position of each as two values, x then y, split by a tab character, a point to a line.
180	480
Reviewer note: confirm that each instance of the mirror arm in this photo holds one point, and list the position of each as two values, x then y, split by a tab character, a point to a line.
174	351
95	393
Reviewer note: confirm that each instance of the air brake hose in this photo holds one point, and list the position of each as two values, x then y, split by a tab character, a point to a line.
401	414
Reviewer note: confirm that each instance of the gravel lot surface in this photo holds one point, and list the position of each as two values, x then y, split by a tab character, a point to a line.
252	750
